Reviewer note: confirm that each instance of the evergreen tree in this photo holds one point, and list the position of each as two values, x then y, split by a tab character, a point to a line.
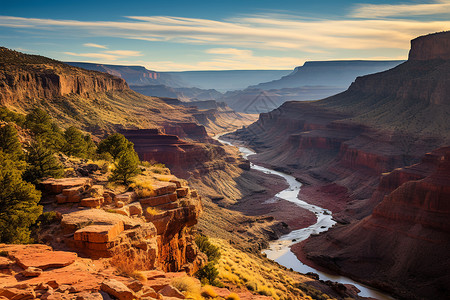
42	163
126	167
115	144
19	207
41	125
9	142
74	144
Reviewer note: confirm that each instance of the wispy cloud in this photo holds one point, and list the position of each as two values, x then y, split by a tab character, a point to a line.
103	56
95	45
370	11
124	52
279	32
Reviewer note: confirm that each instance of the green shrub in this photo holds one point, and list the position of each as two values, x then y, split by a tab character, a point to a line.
48	217
10	116
206	247
208	274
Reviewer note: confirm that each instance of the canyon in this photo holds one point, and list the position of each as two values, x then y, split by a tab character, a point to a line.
369	155
375	156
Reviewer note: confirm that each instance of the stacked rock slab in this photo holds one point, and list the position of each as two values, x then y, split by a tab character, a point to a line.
75	190
98	233
106	224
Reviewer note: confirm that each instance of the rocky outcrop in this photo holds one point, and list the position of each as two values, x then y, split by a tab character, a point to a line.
432	46
151	227
182	157
403	245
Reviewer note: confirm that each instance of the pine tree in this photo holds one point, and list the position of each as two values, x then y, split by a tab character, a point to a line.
41	163
41	125
126	167
9	141
19	207
74	144
115	144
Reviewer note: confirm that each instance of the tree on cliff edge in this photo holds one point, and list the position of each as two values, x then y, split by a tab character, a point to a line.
126	167
115	144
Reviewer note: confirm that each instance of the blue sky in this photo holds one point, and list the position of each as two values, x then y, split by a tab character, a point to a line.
216	35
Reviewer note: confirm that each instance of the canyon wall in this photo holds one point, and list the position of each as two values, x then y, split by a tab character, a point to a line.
49	79
403	245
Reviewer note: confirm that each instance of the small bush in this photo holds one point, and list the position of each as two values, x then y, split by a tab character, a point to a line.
209	292
188	286
143	189
48	217
208	274
206	247
153	211
233	296
129	263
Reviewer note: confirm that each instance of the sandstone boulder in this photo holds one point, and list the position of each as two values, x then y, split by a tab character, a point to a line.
92	202
73	221
5	263
182	192
135	209
31	272
125	197
117	289
170	291
99	233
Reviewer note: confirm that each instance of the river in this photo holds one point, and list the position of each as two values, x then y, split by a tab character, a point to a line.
280	251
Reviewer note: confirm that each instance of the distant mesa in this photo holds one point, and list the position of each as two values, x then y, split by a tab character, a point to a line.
312	81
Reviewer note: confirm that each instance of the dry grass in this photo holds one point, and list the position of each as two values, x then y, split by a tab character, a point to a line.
233	296
189	286
208	292
128	263
258	274
143	187
152	211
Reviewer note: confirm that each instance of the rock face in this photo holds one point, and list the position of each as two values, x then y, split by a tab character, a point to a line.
44	78
433	46
406	238
182	157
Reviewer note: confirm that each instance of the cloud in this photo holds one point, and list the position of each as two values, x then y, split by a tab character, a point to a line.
272	32
124	52
95	45
230	51
104	56
370	11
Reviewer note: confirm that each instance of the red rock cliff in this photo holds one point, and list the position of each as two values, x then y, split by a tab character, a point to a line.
48	79
403	245
432	46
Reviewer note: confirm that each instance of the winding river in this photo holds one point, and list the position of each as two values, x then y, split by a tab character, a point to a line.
280	251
